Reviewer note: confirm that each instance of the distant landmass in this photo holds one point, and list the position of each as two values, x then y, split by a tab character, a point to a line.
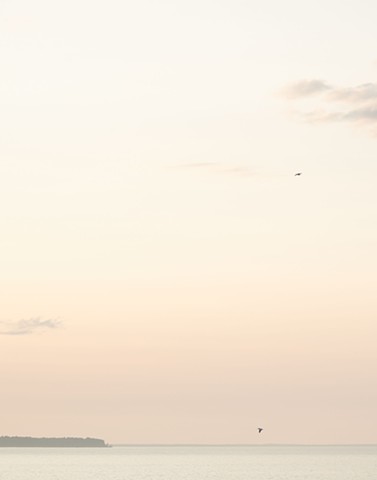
70	442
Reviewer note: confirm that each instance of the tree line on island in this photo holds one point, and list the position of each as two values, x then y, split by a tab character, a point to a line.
71	442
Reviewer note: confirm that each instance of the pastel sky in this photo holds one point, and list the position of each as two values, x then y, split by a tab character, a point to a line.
165	278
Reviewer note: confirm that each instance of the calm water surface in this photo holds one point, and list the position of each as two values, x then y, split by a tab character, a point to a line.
191	463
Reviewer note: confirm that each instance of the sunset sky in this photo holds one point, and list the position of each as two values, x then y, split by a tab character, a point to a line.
165	277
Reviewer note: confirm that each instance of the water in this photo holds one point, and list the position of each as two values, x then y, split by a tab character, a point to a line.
191	463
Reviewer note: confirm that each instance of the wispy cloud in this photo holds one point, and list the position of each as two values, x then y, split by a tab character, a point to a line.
305	88
28	326
220	168
364	93
197	165
356	105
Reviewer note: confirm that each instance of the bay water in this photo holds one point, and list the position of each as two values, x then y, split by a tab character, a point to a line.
191	463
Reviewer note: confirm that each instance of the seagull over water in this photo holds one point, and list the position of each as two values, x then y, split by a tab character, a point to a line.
260	430
298	174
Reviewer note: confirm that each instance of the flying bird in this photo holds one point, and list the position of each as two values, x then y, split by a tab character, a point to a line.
298	174
260	430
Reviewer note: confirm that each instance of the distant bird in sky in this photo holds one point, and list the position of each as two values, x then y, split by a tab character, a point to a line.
298	174
260	430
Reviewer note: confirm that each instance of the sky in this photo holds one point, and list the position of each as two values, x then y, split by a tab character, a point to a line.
165	276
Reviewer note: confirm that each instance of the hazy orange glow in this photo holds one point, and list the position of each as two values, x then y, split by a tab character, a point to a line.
196	288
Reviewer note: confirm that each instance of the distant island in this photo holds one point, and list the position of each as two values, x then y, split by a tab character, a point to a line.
69	442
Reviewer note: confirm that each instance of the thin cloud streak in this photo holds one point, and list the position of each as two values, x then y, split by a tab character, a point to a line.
359	94
28	327
359	102
305	88
218	167
196	165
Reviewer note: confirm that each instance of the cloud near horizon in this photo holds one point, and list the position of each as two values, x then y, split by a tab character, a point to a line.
28	327
356	105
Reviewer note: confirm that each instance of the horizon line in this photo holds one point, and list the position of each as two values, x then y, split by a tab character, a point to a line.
244	444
